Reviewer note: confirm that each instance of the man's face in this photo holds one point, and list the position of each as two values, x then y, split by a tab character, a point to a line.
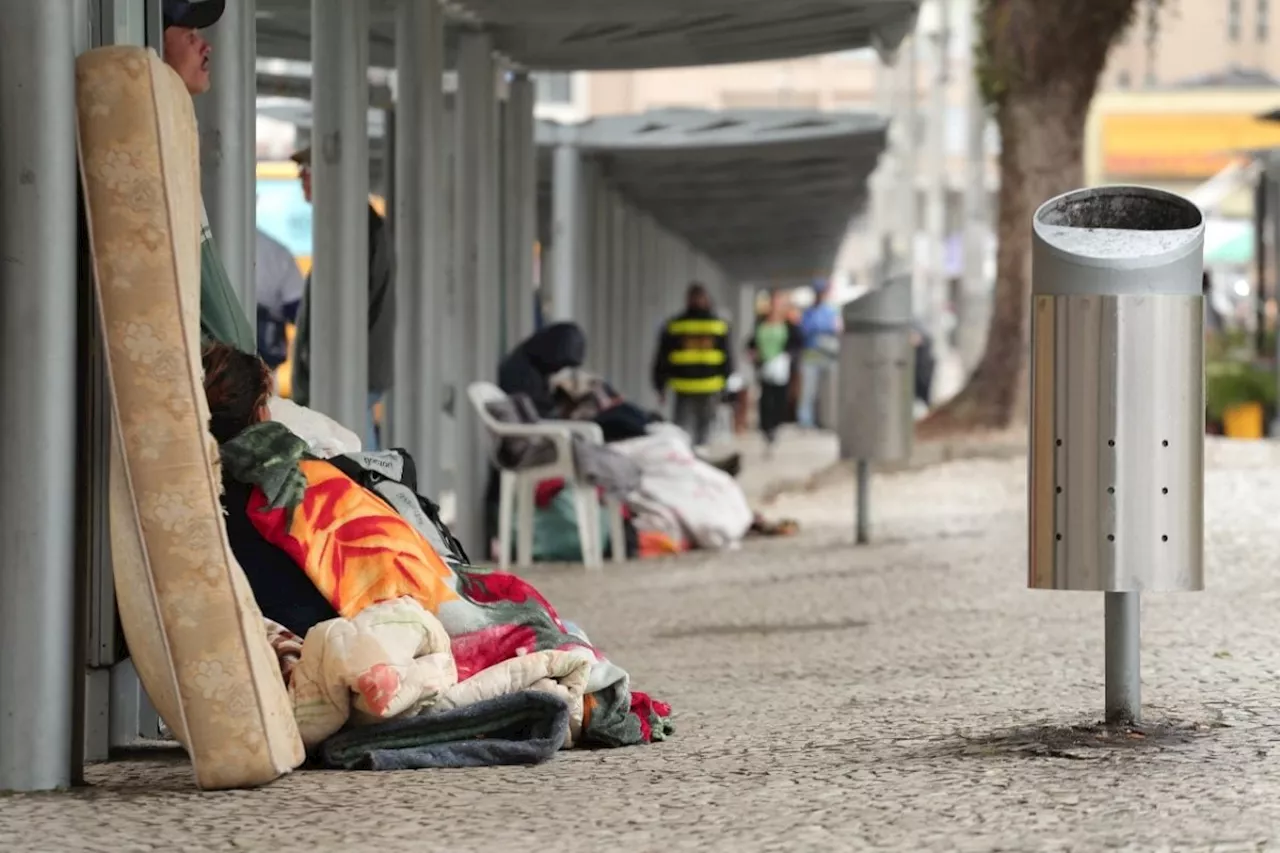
304	175
187	52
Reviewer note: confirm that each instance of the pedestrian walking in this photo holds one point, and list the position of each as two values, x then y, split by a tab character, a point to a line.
694	360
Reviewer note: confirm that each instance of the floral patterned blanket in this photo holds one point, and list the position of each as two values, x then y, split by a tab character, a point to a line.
358	551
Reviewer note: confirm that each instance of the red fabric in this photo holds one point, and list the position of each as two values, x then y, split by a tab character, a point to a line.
648	711
476	651
546	492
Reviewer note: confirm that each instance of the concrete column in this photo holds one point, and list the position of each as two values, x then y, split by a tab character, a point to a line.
935	288
601	262
655	294
568	221
476	256
520	207
626	344
906	115
228	147
451	338
38	381
614	346
338	302
421	238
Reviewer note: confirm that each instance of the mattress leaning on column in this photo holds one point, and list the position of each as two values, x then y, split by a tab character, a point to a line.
194	631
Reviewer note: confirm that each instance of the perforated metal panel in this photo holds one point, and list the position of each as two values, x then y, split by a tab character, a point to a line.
1117	393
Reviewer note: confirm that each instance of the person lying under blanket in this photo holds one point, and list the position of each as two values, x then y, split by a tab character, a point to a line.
316	545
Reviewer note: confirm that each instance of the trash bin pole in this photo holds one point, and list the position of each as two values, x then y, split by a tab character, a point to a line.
876	418
1116	486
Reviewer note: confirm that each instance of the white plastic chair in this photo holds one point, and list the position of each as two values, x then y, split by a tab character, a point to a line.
517	487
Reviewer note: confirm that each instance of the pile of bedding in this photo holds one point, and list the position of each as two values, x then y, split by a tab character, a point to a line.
367	560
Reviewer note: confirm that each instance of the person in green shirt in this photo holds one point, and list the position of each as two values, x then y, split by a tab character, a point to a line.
773	347
187	52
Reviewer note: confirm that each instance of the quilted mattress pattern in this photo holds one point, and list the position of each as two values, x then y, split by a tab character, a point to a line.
194	631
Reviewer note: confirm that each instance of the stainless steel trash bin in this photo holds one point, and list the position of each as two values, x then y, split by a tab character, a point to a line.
1117	393
876	374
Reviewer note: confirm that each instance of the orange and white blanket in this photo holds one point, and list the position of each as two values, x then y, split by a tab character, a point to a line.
393	659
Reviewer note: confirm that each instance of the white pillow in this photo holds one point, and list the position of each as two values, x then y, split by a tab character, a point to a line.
325	436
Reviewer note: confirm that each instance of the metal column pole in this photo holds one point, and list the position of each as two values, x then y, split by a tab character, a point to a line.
420	233
601	292
634	368
583	241
615	352
38	379
908	114
864	501
520	209
228	147
936	207
338	302
476	249
567	198
882	224
1123	657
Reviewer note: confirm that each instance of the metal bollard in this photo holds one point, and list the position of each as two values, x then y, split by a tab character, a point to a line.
876	375
1116	485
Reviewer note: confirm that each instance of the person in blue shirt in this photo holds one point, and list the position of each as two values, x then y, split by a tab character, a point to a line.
820	326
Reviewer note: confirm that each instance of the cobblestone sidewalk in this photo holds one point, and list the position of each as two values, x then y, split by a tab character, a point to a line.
911	695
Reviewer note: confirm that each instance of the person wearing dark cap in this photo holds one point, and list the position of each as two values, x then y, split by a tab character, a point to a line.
382	315
188	53
694	360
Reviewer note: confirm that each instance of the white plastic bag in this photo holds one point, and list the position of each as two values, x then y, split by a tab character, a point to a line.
325	436
709	503
777	370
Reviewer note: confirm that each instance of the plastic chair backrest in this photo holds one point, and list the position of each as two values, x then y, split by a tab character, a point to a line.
482	394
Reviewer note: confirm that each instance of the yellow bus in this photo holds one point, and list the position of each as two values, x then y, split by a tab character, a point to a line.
283	213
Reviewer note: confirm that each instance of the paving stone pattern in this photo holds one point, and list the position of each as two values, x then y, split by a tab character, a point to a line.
911	695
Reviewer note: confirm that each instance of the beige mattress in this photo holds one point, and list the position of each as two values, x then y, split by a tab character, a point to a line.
194	631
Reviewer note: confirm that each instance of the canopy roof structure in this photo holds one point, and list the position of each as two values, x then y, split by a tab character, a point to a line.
571	35
767	194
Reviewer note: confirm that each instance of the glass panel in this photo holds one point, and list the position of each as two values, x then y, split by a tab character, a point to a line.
283	213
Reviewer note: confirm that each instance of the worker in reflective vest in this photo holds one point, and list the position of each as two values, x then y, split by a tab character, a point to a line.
694	361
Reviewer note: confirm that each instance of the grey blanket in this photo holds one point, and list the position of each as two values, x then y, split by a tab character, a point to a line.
596	464
520	728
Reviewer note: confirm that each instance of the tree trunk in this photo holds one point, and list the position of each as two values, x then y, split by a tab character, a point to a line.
1042	59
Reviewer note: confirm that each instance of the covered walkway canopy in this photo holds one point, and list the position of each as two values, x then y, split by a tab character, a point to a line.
761	196
766	194
577	35
758	196
465	225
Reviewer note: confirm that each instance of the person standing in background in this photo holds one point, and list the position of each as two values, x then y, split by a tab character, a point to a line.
280	287
694	359
821	326
382	315
188	53
774	345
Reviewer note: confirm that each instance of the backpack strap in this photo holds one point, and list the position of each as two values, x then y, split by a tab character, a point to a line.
383	474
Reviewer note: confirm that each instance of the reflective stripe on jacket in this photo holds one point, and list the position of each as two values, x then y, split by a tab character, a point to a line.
694	354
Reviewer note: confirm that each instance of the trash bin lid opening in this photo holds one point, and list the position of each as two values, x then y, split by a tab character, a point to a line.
1121	209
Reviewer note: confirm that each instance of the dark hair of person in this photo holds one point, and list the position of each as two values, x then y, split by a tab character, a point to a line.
697	295
238	386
